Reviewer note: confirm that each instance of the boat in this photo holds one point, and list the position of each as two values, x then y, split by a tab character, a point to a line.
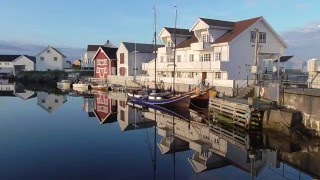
81	86
199	98
160	99
64	84
167	99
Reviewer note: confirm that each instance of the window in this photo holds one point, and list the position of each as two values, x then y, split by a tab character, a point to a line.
43	101
48	51
205	57
161	59
55	58
56	101
262	37
122	115
191	75
218	56
217	75
206	38
179	74
41	58
121	58
178	58
0	63
191	57
122	104
170	43
6	63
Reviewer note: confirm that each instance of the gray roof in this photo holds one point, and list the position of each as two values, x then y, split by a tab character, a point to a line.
8	58
179	31
284	58
110	52
219	23
93	47
141	48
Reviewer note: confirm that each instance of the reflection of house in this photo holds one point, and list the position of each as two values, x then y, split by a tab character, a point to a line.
212	148
9	89
105	108
12	64
50	102
130	118
50	59
105	62
89	105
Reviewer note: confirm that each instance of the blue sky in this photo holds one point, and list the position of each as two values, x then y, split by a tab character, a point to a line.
70	23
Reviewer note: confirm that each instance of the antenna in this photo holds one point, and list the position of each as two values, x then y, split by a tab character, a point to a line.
174	52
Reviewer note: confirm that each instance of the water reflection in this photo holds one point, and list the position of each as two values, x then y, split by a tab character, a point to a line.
8	88
205	149
50	102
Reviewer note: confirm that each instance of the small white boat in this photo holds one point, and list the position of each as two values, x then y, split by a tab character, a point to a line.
81	85
100	86
64	84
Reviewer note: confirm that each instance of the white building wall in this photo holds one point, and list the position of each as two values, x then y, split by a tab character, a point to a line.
24	61
242	51
48	63
122	49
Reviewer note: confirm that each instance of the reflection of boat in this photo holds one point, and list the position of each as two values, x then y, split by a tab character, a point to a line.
99	86
81	85
64	84
164	100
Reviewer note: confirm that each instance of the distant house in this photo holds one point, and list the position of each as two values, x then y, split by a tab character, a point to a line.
50	59
105	62
131	56
12	64
76	63
50	102
87	59
68	65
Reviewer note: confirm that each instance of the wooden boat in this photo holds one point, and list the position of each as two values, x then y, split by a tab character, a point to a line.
199	99
160	99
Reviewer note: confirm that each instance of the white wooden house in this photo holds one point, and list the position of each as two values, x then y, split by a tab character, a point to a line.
87	58
131	56
50	59
12	64
215	51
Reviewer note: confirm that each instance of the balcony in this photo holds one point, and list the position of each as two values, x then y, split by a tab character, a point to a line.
201	46
165	50
202	66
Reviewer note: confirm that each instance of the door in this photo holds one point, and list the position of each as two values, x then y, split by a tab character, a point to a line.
204	76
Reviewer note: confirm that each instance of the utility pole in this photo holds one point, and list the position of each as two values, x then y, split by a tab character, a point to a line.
255	68
155	47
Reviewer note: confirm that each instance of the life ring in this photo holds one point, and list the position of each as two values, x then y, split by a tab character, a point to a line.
261	91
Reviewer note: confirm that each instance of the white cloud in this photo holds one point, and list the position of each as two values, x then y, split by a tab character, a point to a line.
304	42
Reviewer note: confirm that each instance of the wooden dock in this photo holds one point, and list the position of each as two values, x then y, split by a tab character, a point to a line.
236	113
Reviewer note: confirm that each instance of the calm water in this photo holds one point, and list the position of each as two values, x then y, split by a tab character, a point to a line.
50	136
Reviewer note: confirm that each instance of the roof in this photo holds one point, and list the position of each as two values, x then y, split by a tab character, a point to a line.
186	43
54	50
284	58
110	52
8	58
141	48
93	47
219	23
238	28
179	31
32	58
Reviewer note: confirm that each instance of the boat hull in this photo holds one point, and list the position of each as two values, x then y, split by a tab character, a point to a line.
200	101
180	101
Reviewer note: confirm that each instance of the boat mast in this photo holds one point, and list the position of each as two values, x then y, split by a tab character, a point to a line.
155	47
174	51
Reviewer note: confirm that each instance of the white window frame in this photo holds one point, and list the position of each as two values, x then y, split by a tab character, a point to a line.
218	75
218	56
191	57
178	58
205	57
